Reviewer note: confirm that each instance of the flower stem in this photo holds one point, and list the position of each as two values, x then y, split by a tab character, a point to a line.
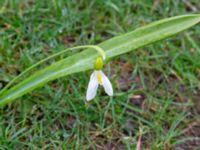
97	48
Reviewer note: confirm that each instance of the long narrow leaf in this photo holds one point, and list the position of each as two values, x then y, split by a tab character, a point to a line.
118	45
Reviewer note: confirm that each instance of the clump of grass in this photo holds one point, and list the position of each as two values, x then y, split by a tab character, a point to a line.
163	79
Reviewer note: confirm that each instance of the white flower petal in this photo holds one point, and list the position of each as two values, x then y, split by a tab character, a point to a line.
92	87
107	85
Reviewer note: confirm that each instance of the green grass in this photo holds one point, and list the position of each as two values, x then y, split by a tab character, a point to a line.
165	75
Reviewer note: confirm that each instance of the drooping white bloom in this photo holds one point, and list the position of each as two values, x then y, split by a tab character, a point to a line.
98	78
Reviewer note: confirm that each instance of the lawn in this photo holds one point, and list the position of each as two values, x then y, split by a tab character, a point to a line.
156	98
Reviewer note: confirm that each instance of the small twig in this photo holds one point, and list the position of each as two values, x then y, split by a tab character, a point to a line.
189	5
189	127
138	147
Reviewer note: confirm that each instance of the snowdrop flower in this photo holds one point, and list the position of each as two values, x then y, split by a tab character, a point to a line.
98	78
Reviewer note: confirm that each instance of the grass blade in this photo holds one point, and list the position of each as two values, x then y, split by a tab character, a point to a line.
116	46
